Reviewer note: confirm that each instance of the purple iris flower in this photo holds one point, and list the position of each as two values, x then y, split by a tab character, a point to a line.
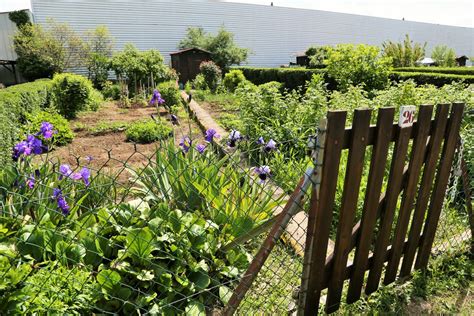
156	98
211	134
56	193
65	171
20	149
85	175
174	119
271	145
201	148
185	143
31	145
47	130
89	159
61	201
261	141
263	173
234	136
35	145
30	182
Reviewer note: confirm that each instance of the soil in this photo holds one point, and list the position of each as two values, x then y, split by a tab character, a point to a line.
111	151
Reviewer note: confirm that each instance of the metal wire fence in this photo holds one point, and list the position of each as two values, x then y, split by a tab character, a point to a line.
167	233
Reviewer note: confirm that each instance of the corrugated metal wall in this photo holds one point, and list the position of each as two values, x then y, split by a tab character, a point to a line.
274	34
7	30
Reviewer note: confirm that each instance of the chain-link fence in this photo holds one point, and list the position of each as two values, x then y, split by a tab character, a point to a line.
165	230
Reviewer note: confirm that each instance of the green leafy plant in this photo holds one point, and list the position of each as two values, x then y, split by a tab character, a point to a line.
212	74
44	51
444	56
196	182
98	45
358	64
232	79
317	56
64	133
404	54
170	93
105	127
148	131
73	93
225	51
111	91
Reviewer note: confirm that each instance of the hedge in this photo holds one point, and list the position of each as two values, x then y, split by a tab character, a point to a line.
441	70
292	78
437	79
15	103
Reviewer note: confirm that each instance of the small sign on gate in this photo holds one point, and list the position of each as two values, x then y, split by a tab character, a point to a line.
407	115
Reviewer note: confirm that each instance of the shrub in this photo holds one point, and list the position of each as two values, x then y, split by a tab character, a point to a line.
437	79
212	74
199	83
72	93
440	70
145	132
111	91
317	56
64	133
232	79
292	78
170	93
353	65
404	54
444	56
16	102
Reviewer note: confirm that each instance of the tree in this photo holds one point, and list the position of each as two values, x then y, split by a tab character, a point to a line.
20	18
45	51
99	45
317	56
225	51
404	54
444	56
358	64
135	68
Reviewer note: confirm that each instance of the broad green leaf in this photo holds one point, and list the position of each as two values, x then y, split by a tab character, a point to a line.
195	308
109	280
140	244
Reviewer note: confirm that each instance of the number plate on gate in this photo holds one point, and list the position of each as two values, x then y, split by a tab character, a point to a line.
407	115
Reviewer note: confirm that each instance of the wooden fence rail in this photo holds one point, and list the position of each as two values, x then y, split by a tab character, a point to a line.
398	224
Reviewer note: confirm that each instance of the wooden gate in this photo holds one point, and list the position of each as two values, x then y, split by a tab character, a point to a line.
407	194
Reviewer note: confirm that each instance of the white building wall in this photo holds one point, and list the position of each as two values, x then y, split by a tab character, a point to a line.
7	30
274	34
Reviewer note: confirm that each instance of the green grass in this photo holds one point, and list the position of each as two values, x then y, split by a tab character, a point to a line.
224	107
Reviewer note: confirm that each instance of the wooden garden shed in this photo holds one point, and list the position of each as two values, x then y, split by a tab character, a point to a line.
186	62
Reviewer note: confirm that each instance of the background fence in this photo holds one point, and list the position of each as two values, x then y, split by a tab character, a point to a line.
173	232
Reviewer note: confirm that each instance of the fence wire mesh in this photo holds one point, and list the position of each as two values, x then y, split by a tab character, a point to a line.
171	232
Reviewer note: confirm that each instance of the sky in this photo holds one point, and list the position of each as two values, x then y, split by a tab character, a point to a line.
448	12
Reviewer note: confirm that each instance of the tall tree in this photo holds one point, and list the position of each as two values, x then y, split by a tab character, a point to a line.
222	46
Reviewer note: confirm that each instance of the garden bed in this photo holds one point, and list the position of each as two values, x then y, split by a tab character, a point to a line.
101	136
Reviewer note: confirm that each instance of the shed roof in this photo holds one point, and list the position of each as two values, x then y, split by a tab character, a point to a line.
190	49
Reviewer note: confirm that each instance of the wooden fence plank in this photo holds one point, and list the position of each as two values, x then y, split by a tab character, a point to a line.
416	162
355	166
374	187
324	209
439	190
393	191
426	184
